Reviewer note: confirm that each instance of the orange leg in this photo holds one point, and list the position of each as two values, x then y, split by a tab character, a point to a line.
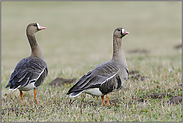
35	92
21	94
107	96
103	100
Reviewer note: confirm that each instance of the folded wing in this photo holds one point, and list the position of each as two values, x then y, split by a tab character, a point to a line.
100	75
28	70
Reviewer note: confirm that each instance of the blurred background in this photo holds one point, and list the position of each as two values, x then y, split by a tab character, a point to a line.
80	33
77	38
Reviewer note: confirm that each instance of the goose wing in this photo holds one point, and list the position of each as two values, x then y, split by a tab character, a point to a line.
96	77
28	70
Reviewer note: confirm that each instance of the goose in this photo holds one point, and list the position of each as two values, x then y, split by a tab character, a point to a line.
30	72
106	77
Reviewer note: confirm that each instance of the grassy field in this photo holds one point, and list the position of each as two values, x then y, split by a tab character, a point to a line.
78	37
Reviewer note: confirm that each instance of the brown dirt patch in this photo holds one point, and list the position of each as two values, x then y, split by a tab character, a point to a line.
61	81
138	77
175	100
139	51
158	95
179	46
133	72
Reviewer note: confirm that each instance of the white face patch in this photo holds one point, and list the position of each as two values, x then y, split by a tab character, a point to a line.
123	31
39	27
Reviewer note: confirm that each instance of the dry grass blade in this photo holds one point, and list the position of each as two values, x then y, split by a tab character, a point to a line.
77	38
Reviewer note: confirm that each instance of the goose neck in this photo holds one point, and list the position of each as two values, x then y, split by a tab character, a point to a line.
117	46
35	48
118	53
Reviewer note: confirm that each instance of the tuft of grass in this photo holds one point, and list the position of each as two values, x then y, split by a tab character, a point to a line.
78	37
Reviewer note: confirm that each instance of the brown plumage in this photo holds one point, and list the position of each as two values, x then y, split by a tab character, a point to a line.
107	77
30	72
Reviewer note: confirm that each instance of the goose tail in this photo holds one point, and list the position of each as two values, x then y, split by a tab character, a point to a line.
75	94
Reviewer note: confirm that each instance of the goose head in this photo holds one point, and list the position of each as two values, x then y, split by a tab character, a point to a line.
34	27
120	32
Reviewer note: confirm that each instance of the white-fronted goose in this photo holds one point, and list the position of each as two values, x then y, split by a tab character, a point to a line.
107	77
30	72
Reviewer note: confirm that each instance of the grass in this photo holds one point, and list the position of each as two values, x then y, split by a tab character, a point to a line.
78	37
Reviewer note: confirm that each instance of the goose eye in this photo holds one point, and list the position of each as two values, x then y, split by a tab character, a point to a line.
118	29
35	24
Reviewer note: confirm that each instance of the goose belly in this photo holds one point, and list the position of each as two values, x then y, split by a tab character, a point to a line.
93	91
28	87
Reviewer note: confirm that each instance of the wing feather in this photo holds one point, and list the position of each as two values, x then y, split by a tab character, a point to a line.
95	77
27	70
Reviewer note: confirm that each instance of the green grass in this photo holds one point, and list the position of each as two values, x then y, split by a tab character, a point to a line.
78	37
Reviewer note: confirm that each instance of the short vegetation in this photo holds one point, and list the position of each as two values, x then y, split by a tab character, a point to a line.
77	38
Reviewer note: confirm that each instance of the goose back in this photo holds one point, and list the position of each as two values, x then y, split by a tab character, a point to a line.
28	70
